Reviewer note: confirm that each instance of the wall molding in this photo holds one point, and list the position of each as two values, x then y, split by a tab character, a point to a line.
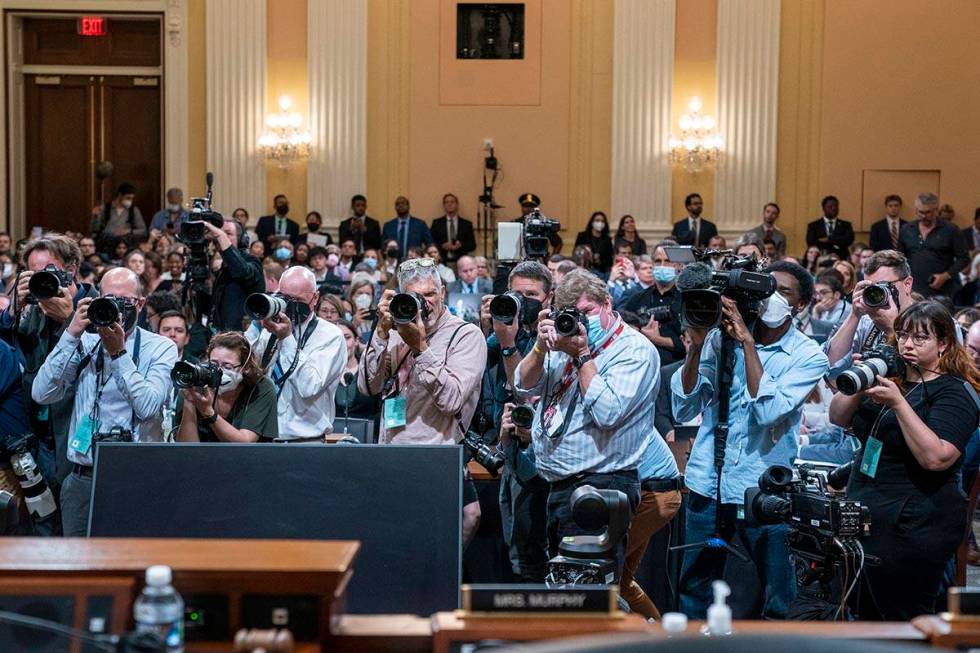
337	62
236	67
748	101
643	75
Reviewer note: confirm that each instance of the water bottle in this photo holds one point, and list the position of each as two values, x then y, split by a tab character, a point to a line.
160	609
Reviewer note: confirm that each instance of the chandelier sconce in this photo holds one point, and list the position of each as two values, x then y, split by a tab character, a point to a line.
699	146
284	140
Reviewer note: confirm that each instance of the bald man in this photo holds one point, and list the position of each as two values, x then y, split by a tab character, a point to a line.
304	355
120	374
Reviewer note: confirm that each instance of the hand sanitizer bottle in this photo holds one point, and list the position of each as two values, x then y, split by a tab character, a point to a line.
719	614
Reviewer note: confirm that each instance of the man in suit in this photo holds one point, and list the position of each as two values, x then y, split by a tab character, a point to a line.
468	282
453	234
971	235
767	230
830	233
406	229
364	230
271	227
694	230
885	232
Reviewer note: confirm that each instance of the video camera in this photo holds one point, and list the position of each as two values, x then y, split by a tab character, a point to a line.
193	233
186	374
474	448
591	559
658	313
740	278
47	283
537	232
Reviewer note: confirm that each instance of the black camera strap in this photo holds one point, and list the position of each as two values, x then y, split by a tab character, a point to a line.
303	339
100	382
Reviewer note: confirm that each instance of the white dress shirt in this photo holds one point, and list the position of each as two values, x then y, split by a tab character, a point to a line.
306	403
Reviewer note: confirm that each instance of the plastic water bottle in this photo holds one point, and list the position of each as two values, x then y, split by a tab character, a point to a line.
160	609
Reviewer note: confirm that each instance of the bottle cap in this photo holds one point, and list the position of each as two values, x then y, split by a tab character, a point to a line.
674	623
159	575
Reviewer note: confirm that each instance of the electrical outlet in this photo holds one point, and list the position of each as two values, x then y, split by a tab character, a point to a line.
487	144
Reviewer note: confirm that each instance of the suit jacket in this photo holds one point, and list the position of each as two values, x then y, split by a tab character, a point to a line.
778	237
367	238
967	234
266	229
684	236
464	234
839	241
418	232
880	238
483	286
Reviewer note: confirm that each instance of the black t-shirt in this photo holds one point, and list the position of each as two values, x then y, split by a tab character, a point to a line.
255	409
945	404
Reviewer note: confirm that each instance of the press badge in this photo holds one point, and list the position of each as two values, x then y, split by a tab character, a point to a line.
81	442
394	412
553	427
872	452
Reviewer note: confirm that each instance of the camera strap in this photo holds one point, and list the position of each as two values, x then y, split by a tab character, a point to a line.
281	381
101	383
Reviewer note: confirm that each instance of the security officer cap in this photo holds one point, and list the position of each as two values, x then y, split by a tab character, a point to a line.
530	198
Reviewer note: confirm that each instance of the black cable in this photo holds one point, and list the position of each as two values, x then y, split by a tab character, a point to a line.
104	642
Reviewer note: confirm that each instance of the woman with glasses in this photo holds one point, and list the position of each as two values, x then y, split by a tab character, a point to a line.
241	409
914	429
361	295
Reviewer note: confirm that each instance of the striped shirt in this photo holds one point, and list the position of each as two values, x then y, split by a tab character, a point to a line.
609	428
129	390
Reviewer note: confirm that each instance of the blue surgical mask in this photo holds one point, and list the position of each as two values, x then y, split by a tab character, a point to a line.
372	262
594	330
283	253
664	273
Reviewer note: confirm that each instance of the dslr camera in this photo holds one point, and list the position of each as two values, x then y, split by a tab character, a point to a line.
115	434
405	307
47	283
658	313
522	416
876	295
105	311
260	306
504	308
474	448
740	278
186	374
567	321
537	232
883	360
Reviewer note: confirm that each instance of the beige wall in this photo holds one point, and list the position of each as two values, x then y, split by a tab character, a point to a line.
197	117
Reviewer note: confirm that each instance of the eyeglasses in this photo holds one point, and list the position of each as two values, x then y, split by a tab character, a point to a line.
918	338
414	263
228	367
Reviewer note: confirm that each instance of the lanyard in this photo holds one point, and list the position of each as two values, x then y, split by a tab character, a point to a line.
281	380
101	383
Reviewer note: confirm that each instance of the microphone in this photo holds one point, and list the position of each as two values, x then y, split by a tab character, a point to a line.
348	379
694	276
209	179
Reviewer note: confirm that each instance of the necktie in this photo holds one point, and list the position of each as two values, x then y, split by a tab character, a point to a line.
894	233
452	230
830	228
696	228
280	226
768	235
403	236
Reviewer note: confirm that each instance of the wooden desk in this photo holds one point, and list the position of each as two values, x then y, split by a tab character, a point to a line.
479	473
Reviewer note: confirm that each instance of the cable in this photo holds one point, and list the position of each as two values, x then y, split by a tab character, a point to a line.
104	642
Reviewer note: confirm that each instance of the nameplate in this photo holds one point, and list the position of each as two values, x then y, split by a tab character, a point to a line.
534	600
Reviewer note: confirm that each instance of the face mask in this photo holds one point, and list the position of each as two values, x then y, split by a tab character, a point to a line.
664	273
332	260
777	311
598	225
297	312
127	203
532	307
230	379
595	330
313	227
371	262
283	253
8	269
173	208
282	209
129	317
362	301
392	252
348	317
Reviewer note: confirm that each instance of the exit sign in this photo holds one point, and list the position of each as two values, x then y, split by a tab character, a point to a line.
92	26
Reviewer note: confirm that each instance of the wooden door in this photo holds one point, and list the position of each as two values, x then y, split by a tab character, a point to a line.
75	121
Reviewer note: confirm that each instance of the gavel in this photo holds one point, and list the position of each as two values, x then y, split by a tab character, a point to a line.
263	641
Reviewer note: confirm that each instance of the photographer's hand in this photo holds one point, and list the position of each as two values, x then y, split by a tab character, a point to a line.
485	318
202	399
219	237
280	326
113	339
80	321
413	334
506	333
58	308
574	346
733	323
546	331
22	288
384	315
885	392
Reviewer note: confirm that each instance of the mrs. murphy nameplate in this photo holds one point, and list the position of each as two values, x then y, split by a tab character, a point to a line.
529	600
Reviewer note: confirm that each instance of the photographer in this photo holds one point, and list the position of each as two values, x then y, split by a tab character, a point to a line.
665	334
597	391
914	429
867	326
243	406
523	494
428	371
33	325
776	367
240	275
120	375
305	356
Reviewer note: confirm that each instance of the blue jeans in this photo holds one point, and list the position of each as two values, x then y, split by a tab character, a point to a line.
524	514
765	545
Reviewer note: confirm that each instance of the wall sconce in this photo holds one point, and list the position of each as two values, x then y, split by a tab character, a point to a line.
698	146
284	141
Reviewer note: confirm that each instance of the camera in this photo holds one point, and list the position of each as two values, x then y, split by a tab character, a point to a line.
591	559
406	306
522	416
537	233
186	374
115	434
876	295
740	278
260	306
193	233
47	283
883	360
658	313
103	312
504	308
474	448
38	497
567	321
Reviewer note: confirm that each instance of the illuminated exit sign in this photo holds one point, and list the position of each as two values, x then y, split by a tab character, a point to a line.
92	26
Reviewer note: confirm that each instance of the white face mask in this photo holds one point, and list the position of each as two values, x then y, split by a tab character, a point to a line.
777	311
173	207
597	225
362	301
8	269
230	380
127	203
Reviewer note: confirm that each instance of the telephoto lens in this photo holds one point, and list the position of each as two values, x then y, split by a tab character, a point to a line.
875	296
504	308
406	306
567	321
103	312
195	375
880	361
522	416
260	306
658	313
44	285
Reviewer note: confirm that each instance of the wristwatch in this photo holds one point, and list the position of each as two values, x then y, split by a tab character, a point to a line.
118	354
507	352
208	420
581	360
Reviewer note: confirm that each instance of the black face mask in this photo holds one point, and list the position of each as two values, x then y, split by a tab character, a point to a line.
282	209
392	252
531	309
313	227
297	312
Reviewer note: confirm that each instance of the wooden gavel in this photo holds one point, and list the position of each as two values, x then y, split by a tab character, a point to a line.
264	641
